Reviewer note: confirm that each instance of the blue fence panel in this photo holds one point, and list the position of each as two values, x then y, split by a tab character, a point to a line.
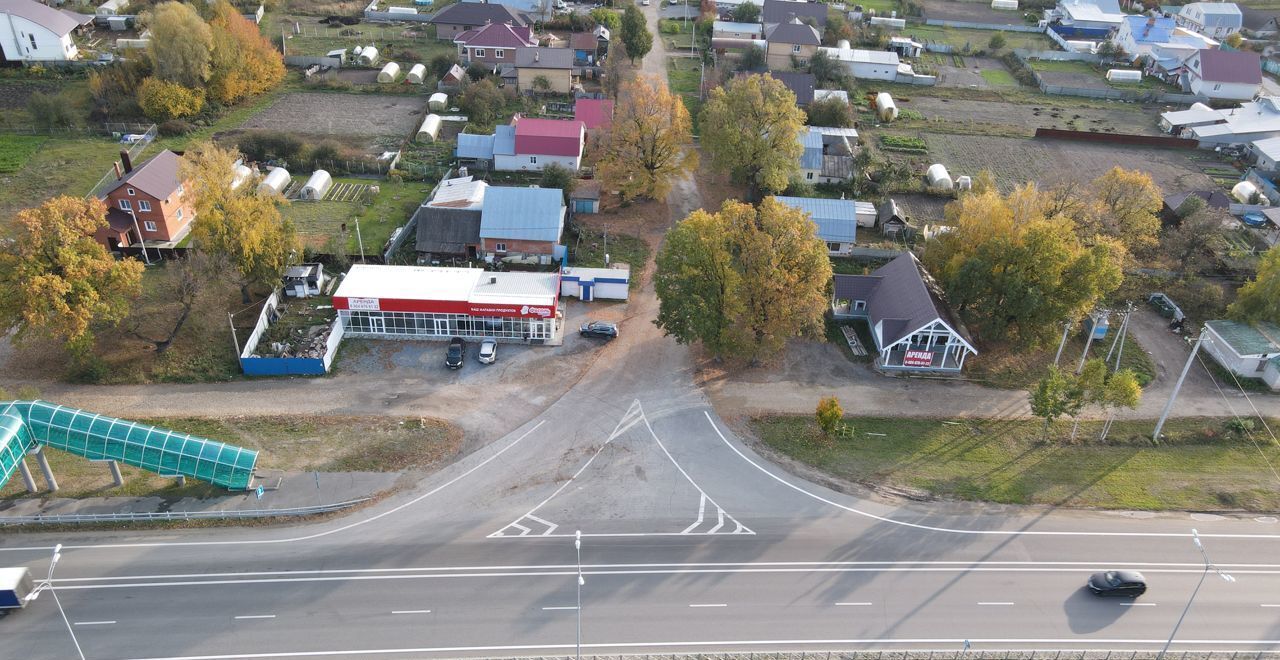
258	366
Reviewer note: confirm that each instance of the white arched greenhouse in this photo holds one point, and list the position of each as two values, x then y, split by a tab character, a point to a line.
416	73
938	177
430	129
276	181
241	174
389	73
317	186
885	107
438	101
368	56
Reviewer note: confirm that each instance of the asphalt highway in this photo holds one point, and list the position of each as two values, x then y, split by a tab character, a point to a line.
691	542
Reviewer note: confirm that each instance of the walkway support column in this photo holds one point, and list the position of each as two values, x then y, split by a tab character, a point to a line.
27	479
115	473
43	461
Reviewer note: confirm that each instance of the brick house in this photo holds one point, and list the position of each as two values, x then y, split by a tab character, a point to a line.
463	16
148	199
495	43
526	222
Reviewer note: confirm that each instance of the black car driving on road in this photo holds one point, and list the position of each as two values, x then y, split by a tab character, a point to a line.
453	357
1118	583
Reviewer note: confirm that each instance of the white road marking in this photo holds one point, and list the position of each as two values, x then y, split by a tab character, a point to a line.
995	602
702	510
1270	605
708	604
987	532
353	576
851	604
1064	644
1129	603
551	527
317	535
411	611
563	607
256	616
688	478
94	623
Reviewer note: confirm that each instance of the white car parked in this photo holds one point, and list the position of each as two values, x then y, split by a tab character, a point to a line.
488	351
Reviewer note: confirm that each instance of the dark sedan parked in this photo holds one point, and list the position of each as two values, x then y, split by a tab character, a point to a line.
599	329
1118	583
456	353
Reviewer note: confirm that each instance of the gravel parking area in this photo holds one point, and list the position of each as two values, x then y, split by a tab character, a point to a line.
341	114
1051	162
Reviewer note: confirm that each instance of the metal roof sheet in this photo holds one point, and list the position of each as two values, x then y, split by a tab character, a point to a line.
476	13
475	146
836	219
58	22
504	140
158	177
530	214
448	284
1244	339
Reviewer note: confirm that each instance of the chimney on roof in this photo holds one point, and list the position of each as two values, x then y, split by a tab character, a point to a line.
537	56
493	280
119	172
125	161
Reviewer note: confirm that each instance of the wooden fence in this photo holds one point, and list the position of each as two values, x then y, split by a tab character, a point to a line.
1118	138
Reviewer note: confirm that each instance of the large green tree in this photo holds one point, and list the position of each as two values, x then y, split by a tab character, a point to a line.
635	33
750	129
743	280
57	280
241	225
1016	273
181	44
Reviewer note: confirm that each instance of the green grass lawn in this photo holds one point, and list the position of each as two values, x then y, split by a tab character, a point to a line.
391	208
587	248
999	77
61	165
284	443
16	150
683	76
1201	466
977	39
1090	70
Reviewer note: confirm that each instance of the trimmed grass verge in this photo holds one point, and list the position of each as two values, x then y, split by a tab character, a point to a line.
1202	466
286	443
15	150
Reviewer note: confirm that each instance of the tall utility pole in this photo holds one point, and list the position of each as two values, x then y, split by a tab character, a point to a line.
1066	330
1177	386
1088	342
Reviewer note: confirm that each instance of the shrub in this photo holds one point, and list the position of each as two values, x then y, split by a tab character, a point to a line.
175	128
477	72
482	101
265	146
51	110
607	18
162	100
830	415
997	41
325	151
440	64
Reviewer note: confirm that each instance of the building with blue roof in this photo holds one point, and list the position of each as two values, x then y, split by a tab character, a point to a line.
1157	38
837	219
522	223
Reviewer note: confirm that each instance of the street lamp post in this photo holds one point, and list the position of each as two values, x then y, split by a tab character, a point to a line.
48	584
577	546
1208	566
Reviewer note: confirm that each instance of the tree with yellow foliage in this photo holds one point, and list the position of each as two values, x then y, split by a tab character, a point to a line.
242	63
162	100
56	280
647	146
1015	271
1128	204
241	224
180	43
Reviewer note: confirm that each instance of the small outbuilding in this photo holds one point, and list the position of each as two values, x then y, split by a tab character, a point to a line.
1007	5
585	197
389	73
588	284
368	56
1244	350
429	130
275	182
317	186
416	74
303	280
438	101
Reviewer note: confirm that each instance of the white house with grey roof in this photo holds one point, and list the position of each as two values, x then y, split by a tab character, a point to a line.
35	32
837	220
910	325
1216	20
1248	351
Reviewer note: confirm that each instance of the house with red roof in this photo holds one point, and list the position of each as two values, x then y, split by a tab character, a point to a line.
1223	74
595	114
495	43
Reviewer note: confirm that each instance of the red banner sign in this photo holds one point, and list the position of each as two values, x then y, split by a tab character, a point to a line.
918	359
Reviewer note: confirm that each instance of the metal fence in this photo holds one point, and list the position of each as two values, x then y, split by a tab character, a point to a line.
983	26
110	129
135	150
146	516
309	60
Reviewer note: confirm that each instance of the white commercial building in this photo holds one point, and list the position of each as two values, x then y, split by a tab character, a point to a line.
867	64
416	302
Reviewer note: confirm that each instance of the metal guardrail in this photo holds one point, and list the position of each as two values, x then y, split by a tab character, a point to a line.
971	654
141	516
